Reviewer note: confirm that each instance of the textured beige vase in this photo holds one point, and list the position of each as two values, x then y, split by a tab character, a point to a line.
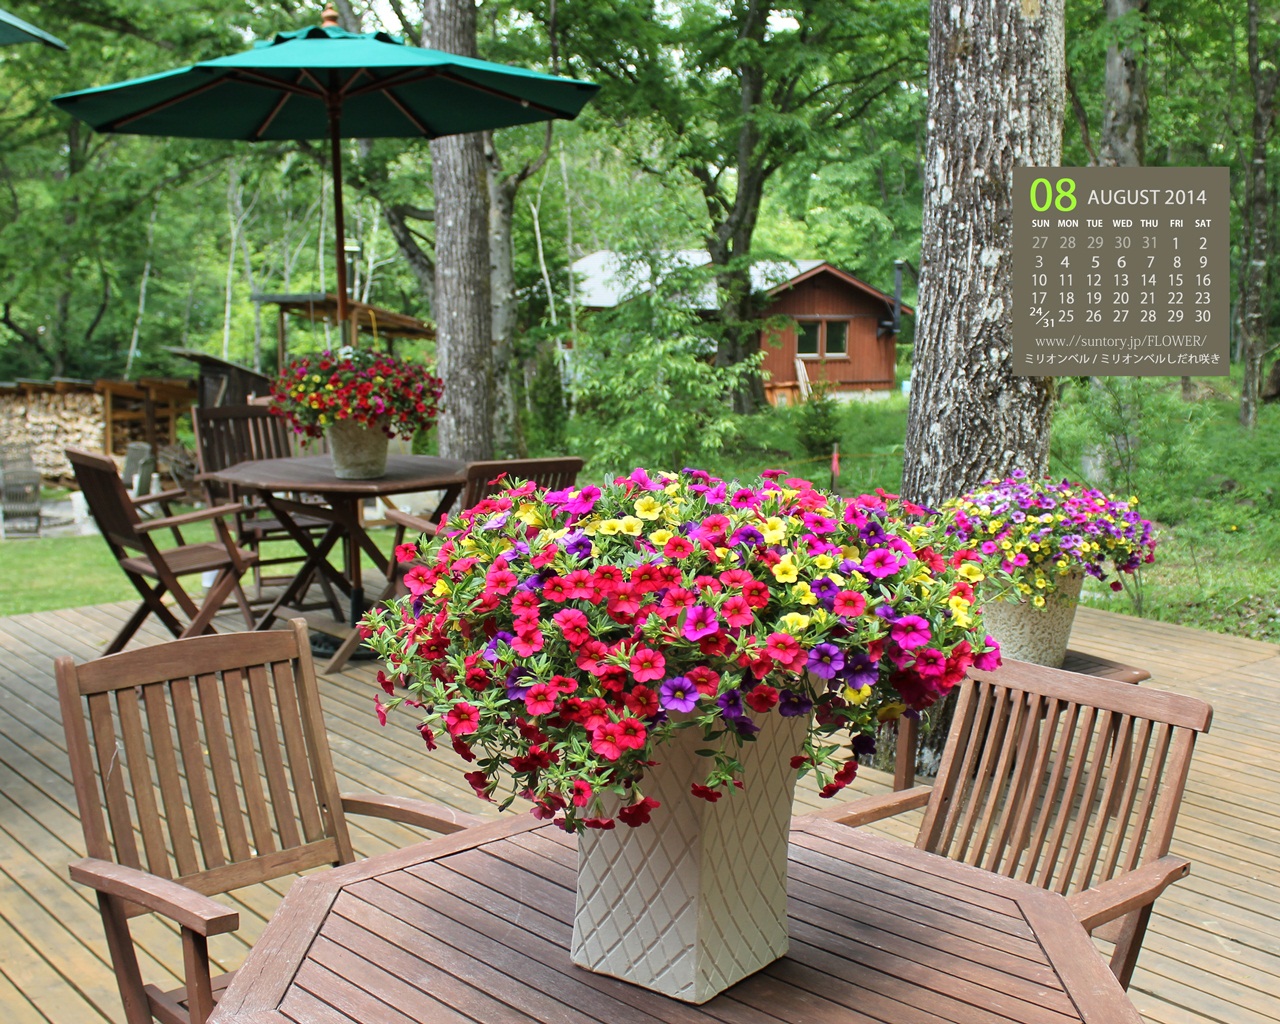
695	900
359	452
1034	634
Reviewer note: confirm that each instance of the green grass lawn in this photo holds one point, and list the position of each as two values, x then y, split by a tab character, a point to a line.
41	574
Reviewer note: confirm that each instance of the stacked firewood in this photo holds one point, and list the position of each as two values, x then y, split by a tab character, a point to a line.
48	422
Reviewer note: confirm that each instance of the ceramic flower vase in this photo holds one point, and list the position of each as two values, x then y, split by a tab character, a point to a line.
1038	635
359	451
696	900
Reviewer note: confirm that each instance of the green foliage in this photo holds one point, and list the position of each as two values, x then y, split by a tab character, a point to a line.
817	421
646	389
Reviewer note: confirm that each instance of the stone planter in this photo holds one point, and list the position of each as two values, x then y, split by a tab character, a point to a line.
695	900
1033	634
359	452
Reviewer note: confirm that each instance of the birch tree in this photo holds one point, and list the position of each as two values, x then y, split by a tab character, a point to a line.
996	95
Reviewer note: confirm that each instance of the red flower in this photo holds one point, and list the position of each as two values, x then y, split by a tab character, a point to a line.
761	698
705	792
638	812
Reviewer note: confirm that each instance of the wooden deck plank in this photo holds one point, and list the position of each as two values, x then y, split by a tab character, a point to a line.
1212	957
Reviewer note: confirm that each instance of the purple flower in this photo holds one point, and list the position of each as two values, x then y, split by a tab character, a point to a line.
747	535
859	670
700	621
825	590
678	694
730	704
514	690
792	704
577	544
825	660
491	651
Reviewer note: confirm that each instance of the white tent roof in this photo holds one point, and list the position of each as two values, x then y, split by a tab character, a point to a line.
606	278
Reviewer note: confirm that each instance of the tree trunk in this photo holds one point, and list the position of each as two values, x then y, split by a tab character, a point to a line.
464	335
996	95
1124	111
502	298
1253	332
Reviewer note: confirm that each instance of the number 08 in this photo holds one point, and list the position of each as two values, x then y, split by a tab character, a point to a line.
1060	194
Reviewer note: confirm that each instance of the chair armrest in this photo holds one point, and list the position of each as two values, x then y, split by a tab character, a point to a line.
409	811
217	512
874	808
411	522
158	496
187	907
1128	892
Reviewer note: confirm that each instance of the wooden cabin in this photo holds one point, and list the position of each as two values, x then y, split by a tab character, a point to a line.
839	329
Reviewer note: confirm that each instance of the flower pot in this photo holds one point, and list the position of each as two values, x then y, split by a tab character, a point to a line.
696	900
1033	634
359	452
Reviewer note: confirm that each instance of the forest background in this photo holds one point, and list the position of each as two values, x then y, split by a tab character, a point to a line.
114	249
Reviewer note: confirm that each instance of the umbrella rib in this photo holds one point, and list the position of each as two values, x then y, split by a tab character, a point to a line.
275	109
392	81
409	78
346	86
502	95
410	116
137	115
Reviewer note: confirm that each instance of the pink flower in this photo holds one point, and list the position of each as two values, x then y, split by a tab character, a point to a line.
419	580
700	621
881	562
849	604
462	718
647	665
604	741
540	699
784	649
406	552
737	612
910	632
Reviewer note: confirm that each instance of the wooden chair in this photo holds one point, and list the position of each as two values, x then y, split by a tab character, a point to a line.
230	434
488	477
210	759
1065	781
129	538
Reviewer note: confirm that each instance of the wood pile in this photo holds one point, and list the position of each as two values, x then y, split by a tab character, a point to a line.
48	422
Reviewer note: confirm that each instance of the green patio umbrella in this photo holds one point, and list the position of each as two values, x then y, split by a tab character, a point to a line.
14	30
325	82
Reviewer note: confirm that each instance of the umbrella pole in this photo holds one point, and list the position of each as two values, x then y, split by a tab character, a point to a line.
339	241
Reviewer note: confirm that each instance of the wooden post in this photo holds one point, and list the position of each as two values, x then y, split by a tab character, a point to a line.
280	342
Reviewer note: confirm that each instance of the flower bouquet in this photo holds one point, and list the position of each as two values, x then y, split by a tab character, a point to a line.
358	399
1047	536
560	638
358	385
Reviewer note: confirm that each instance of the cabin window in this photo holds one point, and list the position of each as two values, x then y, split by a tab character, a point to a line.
822	338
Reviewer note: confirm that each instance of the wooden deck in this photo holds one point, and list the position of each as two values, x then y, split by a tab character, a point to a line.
1212	955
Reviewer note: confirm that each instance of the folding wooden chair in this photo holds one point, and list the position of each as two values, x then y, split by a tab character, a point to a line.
129	538
210	759
1065	781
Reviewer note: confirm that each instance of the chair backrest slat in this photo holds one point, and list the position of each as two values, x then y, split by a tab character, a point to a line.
213	750
243	735
260	692
181	843
111	769
147	815
220	763
230	434
199	792
1060	780
295	746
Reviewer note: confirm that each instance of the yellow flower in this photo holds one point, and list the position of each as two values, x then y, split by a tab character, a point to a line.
441	589
802	592
660	537
786	571
970	572
793	622
774	531
1041	583
632	526
648	508
823	562
529	515
890	712
610	527
858	696
1038	601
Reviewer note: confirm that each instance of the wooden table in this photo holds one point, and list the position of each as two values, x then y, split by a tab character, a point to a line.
476	927
279	481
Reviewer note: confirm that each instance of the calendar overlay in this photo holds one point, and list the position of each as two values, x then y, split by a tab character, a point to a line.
1121	271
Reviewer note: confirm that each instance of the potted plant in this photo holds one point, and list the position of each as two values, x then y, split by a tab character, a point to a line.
669	651
1048	535
358	399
